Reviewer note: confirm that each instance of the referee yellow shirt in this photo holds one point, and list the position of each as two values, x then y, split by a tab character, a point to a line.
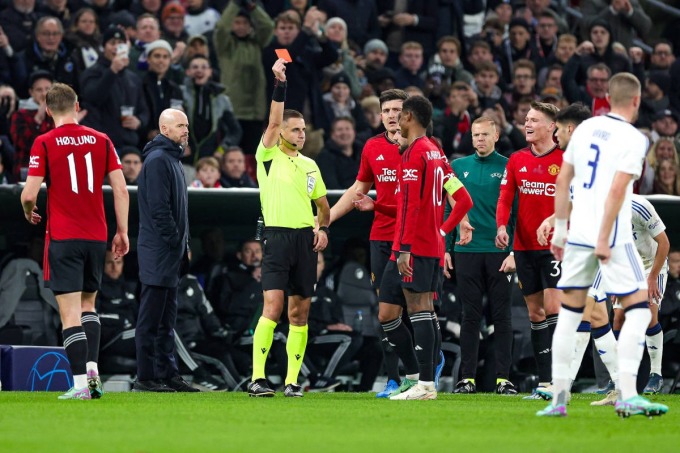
287	186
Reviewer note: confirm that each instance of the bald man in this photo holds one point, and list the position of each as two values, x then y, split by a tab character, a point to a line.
162	248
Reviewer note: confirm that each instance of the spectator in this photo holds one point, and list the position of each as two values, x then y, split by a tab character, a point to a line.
198	45
18	21
663	148
516	47
410	21
30	121
211	117
371	107
336	32
125	21
523	81
152	7
8	105
654	97
511	136
674	93
113	94
361	17
667	178
662	56
172	25
131	160
382	79
539	7
160	92
338	102
207	173
594	94
374	58
48	53
410	61
452	126
552	77
599	49
242	281
566	46
310	56
494	33
240	35
148	30
58	9
626	18
339	159
84	39
104	10
448	55
486	86
545	44
665	125
234	173
200	17
480	52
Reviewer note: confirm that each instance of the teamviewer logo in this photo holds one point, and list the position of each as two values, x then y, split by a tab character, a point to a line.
49	369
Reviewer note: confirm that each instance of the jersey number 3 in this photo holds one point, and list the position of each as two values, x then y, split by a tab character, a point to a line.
74	174
593	163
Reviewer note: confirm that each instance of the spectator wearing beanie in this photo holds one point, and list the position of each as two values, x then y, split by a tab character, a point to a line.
112	94
626	20
338	102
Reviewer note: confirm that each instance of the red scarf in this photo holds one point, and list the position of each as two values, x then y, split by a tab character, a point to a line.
600	105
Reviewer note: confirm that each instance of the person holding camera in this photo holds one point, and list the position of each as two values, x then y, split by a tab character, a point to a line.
113	94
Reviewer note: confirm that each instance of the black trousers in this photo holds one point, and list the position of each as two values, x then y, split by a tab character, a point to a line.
154	334
477	274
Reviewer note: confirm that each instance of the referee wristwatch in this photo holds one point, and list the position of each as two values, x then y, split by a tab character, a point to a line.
326	230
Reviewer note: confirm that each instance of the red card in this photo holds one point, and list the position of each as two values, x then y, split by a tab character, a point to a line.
283	53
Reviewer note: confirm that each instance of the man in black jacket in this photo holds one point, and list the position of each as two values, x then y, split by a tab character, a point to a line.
162	247
109	85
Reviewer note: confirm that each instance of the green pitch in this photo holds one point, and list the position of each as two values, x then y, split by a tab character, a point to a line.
323	422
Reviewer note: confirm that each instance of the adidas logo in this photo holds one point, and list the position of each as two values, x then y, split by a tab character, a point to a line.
523	170
418	348
297	356
380	157
264	350
545	351
465	173
601	352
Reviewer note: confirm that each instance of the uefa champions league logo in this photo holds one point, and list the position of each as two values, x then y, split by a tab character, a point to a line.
49	369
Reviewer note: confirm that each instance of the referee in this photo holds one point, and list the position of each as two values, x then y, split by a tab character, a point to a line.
288	181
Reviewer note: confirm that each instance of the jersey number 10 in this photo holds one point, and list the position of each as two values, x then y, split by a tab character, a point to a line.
73	173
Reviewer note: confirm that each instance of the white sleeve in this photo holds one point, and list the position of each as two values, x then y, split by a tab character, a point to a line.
633	151
653	224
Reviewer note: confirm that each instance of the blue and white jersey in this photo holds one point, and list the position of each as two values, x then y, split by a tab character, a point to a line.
646	226
599	148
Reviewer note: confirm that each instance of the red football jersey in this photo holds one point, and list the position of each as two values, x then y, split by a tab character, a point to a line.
74	160
420	200
534	177
379	165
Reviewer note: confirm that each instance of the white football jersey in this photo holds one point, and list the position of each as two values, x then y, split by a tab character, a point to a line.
599	148
646	226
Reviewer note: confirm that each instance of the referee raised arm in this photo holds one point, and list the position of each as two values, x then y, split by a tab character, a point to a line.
288	181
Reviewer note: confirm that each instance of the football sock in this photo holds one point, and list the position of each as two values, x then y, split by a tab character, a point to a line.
92	328
295	347
631	347
391	359
498	380
541	341
655	347
580	346
605	343
437	341
75	344
402	342
551	320
262	342
563	350
423	335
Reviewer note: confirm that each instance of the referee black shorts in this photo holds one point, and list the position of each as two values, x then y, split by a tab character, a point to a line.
74	266
289	261
380	255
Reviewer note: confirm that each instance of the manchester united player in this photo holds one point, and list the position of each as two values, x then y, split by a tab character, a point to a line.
420	248
532	172
379	164
74	160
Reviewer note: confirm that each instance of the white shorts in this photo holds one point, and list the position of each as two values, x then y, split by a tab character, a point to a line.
596	291
622	275
660	280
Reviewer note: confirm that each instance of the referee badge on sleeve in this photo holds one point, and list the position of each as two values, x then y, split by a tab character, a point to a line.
311	182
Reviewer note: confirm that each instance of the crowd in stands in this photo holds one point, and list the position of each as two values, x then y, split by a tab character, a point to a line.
128	60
